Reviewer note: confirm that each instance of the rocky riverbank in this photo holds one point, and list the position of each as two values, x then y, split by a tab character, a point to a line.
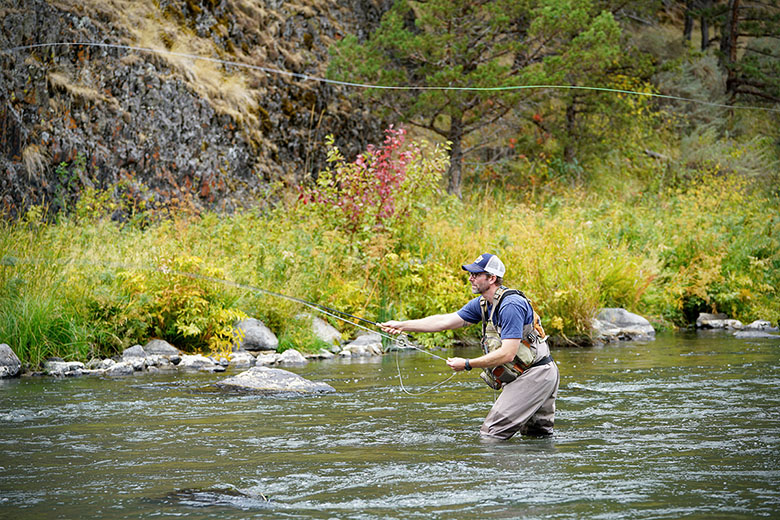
256	346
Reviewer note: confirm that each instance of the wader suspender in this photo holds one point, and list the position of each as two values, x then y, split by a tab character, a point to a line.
497	376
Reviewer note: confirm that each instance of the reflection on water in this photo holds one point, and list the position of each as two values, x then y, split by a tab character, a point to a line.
685	426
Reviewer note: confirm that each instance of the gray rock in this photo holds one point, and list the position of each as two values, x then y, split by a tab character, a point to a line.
292	357
161	347
136	351
242	359
199	362
266	380
366	345
254	335
323	353
267	358
123	368
322	329
10	366
755	334
63	368
764	325
717	321
615	324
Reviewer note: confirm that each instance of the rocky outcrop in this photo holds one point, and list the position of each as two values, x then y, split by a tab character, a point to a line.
158	129
266	380
615	324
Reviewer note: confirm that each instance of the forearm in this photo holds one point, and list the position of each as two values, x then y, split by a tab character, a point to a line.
491	359
505	354
434	323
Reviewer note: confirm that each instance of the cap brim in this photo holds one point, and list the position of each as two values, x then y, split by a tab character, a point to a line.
473	268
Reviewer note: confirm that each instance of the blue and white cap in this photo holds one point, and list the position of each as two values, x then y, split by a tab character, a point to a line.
486	263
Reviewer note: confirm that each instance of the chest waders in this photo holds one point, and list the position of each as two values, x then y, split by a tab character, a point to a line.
533	334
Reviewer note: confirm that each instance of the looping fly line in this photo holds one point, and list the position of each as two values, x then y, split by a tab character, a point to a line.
307	77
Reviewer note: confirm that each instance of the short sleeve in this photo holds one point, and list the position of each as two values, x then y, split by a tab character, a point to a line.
515	312
471	312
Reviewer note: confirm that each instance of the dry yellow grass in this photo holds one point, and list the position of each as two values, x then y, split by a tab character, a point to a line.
35	160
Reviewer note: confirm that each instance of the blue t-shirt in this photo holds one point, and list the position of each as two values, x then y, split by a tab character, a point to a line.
515	312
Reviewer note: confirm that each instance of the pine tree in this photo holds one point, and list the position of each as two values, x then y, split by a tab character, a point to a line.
486	45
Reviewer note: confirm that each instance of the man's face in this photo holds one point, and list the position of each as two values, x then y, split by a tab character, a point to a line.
480	282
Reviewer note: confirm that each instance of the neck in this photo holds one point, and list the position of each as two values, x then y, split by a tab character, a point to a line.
490	292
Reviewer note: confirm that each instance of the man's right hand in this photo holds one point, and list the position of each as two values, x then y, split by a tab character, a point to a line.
392	326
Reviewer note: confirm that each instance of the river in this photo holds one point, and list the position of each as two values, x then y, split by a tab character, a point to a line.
686	426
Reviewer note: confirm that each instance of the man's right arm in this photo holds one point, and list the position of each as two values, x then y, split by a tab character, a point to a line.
434	323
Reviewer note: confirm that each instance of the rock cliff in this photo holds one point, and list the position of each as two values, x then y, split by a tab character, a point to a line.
159	127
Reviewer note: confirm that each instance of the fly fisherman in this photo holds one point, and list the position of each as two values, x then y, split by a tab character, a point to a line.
516	356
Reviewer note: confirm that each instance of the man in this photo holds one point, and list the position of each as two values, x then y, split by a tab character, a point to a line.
516	356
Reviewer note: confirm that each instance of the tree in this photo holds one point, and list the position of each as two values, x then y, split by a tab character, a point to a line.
475	44
752	27
703	10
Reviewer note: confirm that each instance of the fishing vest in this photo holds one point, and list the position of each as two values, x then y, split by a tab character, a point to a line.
533	335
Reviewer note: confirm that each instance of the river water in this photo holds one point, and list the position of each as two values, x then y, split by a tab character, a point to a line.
686	426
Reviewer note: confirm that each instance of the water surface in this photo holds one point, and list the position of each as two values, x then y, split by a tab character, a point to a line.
687	426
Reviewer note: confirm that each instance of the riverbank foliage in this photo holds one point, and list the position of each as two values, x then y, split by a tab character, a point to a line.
378	238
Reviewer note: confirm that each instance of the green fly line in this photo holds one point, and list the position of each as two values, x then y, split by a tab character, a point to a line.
307	77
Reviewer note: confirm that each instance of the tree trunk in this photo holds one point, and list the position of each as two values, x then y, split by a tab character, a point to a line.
728	45
571	123
705	12
456	157
688	27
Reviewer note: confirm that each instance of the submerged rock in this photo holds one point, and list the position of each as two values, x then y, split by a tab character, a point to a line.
755	334
266	380
10	366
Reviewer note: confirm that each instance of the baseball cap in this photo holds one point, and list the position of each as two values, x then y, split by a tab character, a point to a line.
486	263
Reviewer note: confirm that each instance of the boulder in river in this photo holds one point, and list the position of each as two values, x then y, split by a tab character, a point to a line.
615	324
763	325
369	344
10	366
60	368
717	321
160	347
266	380
200	362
